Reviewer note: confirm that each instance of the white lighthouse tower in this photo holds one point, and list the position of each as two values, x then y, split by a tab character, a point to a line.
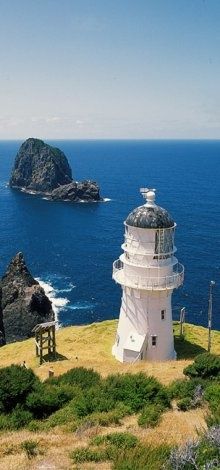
148	272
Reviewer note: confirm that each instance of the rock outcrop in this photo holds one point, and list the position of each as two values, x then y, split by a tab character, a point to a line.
2	330
83	191
40	167
24	302
45	170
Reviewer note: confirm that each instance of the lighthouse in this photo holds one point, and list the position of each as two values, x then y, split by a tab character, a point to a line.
148	272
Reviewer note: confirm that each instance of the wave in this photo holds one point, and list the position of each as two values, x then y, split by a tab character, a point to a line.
67	289
58	303
106	199
83	305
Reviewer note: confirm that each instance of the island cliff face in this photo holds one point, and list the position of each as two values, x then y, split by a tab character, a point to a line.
23	302
44	169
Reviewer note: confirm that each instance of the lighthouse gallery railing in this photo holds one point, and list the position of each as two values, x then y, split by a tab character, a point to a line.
157	283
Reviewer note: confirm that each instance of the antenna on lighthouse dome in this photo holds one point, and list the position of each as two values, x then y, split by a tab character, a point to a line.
149	195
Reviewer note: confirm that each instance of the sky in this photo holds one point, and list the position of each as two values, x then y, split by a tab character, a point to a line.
110	69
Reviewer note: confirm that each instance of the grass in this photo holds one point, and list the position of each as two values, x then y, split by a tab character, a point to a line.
90	346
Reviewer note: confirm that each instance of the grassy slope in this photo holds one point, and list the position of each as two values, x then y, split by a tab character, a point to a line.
92	345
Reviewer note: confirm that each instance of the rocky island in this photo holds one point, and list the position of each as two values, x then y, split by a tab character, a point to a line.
42	169
23	302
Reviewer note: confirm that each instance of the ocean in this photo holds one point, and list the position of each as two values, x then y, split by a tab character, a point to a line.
70	248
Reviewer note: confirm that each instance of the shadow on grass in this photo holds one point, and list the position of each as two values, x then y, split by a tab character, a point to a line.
185	349
54	358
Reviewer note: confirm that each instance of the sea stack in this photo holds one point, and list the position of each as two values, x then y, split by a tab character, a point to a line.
42	169
24	302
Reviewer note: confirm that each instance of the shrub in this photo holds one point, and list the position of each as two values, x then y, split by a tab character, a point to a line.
84	378
16	420
109	417
136	390
30	447
46	399
150	416
62	416
206	365
35	425
19	418
121	440
184	404
212	395
94	400
142	458
184	388
4	422
16	383
82	454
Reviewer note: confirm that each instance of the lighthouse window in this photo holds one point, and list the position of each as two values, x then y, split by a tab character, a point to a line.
163	243
154	340
163	313
117	339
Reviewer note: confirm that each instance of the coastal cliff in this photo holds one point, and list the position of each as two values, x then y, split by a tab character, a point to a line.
43	169
23	303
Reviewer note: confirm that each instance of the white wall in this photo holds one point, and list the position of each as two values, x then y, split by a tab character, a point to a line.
141	312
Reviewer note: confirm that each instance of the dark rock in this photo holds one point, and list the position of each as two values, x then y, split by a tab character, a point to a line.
40	167
45	170
24	302
76	192
2	330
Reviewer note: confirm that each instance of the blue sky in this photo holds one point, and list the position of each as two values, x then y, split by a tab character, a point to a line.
110	69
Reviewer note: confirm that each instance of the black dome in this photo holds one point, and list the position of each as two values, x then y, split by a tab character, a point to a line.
151	216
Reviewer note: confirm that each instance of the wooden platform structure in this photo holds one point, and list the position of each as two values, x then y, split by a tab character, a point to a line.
45	339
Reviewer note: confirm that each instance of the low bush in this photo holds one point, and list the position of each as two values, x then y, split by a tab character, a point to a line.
46	399
19	418
34	425
16	383
121	440
30	447
136	390
104	418
184	404
111	445
65	415
206	365
96	399
142	458
4	422
150	416
83	454
212	396
84	378
184	388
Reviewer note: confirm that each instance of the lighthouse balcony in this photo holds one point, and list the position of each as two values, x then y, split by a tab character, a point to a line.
170	282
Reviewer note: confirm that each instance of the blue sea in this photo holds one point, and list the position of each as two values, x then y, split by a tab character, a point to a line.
70	248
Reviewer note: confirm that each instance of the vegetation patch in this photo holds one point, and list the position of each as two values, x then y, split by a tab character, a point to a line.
206	366
150	416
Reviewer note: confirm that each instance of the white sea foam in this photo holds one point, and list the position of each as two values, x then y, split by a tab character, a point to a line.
84	305
106	199
58	303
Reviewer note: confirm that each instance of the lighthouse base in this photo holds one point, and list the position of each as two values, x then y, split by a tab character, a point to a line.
145	329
